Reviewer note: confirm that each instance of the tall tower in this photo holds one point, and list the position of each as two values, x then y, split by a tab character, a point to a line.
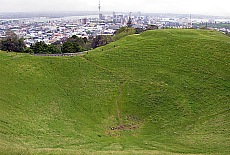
99	8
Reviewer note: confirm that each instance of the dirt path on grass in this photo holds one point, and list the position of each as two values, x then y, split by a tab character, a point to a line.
133	124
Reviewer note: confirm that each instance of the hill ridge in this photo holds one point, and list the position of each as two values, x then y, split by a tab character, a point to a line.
170	87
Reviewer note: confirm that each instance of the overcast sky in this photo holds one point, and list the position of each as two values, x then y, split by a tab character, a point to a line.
205	7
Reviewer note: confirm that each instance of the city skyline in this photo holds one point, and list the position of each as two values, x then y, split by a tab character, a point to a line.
204	7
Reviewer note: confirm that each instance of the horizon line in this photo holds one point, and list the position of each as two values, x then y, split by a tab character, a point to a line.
96	12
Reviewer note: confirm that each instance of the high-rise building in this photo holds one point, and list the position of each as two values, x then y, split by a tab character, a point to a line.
114	14
114	18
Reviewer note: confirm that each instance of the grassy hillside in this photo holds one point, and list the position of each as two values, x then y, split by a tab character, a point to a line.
161	92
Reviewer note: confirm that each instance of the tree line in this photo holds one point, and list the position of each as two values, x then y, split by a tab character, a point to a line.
73	44
12	43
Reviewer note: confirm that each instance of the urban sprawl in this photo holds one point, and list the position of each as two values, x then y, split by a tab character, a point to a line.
51	30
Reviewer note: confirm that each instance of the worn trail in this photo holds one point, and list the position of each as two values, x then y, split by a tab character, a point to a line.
121	124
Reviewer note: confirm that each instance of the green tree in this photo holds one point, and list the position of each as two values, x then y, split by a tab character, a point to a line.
43	48
53	49
40	48
101	40
28	50
71	47
74	44
76	39
12	43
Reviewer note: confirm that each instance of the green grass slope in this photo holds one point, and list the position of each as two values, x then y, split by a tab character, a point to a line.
170	87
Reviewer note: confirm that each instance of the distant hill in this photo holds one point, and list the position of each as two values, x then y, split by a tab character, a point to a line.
161	92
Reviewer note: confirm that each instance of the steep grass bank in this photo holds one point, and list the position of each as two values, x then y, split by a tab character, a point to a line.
175	97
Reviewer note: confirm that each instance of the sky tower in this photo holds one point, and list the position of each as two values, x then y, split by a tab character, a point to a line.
99	8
